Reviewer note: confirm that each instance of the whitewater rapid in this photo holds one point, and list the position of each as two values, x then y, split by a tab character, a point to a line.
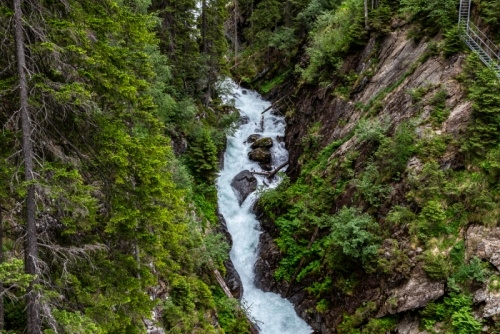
271	313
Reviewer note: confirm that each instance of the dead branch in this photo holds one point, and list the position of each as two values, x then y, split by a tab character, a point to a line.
270	175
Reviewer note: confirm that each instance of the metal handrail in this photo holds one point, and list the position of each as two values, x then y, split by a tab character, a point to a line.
494	51
476	39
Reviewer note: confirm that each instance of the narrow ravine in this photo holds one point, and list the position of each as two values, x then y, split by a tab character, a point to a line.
272	314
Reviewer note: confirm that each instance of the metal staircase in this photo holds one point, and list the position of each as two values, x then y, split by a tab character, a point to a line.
477	41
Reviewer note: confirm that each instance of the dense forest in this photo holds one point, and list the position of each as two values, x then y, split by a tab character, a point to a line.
112	127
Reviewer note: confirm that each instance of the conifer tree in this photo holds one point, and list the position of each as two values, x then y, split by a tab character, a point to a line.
31	249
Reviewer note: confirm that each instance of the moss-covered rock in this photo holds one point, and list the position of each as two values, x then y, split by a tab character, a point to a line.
260	154
262	142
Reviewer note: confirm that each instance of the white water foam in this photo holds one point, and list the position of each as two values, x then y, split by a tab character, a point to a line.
273	314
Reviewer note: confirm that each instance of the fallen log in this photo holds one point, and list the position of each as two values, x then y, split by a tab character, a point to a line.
270	175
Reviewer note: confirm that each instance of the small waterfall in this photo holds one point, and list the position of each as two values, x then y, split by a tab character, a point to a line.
273	314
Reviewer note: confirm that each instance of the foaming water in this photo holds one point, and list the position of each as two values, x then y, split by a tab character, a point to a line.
273	314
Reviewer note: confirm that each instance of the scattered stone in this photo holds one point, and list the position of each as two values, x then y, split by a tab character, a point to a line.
244	92
262	142
266	167
280	139
253	138
260	154
243	185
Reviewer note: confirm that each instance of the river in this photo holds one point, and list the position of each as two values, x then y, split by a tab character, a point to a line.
271	313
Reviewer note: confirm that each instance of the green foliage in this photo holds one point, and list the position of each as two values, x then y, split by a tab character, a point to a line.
12	274
71	322
436	265
202	155
283	39
380	325
455	311
432	146
380	17
475	270
334	34
484	91
118	209
354	234
439	113
433	14
488	10
452	42
369	186
372	130
278	80
394	152
351	322
231	316
393	258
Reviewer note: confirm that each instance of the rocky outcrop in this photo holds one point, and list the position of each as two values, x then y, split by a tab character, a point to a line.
484	242
232	278
396	54
260	154
417	292
491	299
409	325
244	183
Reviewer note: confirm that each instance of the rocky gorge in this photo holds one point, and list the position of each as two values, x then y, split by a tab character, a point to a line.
397	81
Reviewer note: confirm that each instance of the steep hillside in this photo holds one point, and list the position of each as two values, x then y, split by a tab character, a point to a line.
388	219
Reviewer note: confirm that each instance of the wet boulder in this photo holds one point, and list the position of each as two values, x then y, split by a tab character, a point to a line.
262	142
243	184
253	138
244	120
266	167
233	280
260	154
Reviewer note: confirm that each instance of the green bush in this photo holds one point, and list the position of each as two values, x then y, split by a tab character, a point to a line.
370	187
452	42
455	311
354	234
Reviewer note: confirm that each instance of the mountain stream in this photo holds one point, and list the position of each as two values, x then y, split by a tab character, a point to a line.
271	313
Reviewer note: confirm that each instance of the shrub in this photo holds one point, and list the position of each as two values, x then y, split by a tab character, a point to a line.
353	234
369	186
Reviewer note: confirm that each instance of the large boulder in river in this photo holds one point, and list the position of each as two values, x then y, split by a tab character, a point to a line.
253	138
260	154
244	183
262	142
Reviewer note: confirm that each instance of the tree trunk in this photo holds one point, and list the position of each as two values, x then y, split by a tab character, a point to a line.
30	250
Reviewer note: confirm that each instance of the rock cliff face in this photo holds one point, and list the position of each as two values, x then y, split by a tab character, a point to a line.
401	63
389	70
